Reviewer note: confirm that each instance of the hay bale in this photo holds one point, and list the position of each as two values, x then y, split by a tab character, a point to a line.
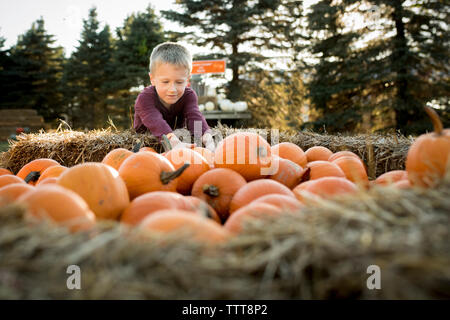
381	153
322	252
71	147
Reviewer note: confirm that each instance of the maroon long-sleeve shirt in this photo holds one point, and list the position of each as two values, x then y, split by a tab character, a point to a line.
151	114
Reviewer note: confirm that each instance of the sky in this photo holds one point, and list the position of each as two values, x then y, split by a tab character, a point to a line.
64	18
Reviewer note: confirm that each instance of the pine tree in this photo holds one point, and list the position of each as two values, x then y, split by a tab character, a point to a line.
9	78
32	73
330	75
277	94
288	33
86	73
140	33
385	70
234	27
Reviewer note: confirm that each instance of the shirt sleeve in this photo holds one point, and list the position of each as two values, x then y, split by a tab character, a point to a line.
193	116
150	116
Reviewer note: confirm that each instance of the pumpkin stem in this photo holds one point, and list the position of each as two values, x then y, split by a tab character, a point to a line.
166	177
137	146
203	208
33	176
437	124
210	190
166	143
306	175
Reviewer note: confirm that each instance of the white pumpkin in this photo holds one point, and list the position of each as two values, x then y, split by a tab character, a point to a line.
240	106
201	107
226	105
209	106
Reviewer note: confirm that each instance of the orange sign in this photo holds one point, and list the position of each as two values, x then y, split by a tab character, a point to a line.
208	66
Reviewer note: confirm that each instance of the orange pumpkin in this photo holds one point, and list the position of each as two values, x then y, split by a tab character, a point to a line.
286	172
4	171
217	187
428	158
325	187
47	181
344	153
148	149
256	189
285	203
197	166
318	153
60	205
244	152
9	179
11	192
150	202
207	154
33	169
353	170
147	171
100	186
391	177
51	172
288	150
201	207
235	223
173	220
320	169
402	184
115	157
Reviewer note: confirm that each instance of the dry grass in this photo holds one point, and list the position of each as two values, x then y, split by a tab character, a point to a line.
321	252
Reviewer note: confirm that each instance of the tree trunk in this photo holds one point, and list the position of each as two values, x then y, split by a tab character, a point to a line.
402	111
234	91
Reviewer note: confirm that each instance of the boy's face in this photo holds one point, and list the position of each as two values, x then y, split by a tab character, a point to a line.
170	82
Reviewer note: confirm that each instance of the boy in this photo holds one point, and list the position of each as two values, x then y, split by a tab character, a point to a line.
168	103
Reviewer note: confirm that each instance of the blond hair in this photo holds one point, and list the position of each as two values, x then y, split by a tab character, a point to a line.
170	52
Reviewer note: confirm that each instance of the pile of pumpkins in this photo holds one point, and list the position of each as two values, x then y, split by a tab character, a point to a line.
209	193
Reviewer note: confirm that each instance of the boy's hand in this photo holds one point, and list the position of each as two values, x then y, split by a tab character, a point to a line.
210	146
177	144
208	141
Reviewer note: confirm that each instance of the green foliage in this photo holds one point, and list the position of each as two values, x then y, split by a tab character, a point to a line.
389	68
140	33
30	73
86	73
97	82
